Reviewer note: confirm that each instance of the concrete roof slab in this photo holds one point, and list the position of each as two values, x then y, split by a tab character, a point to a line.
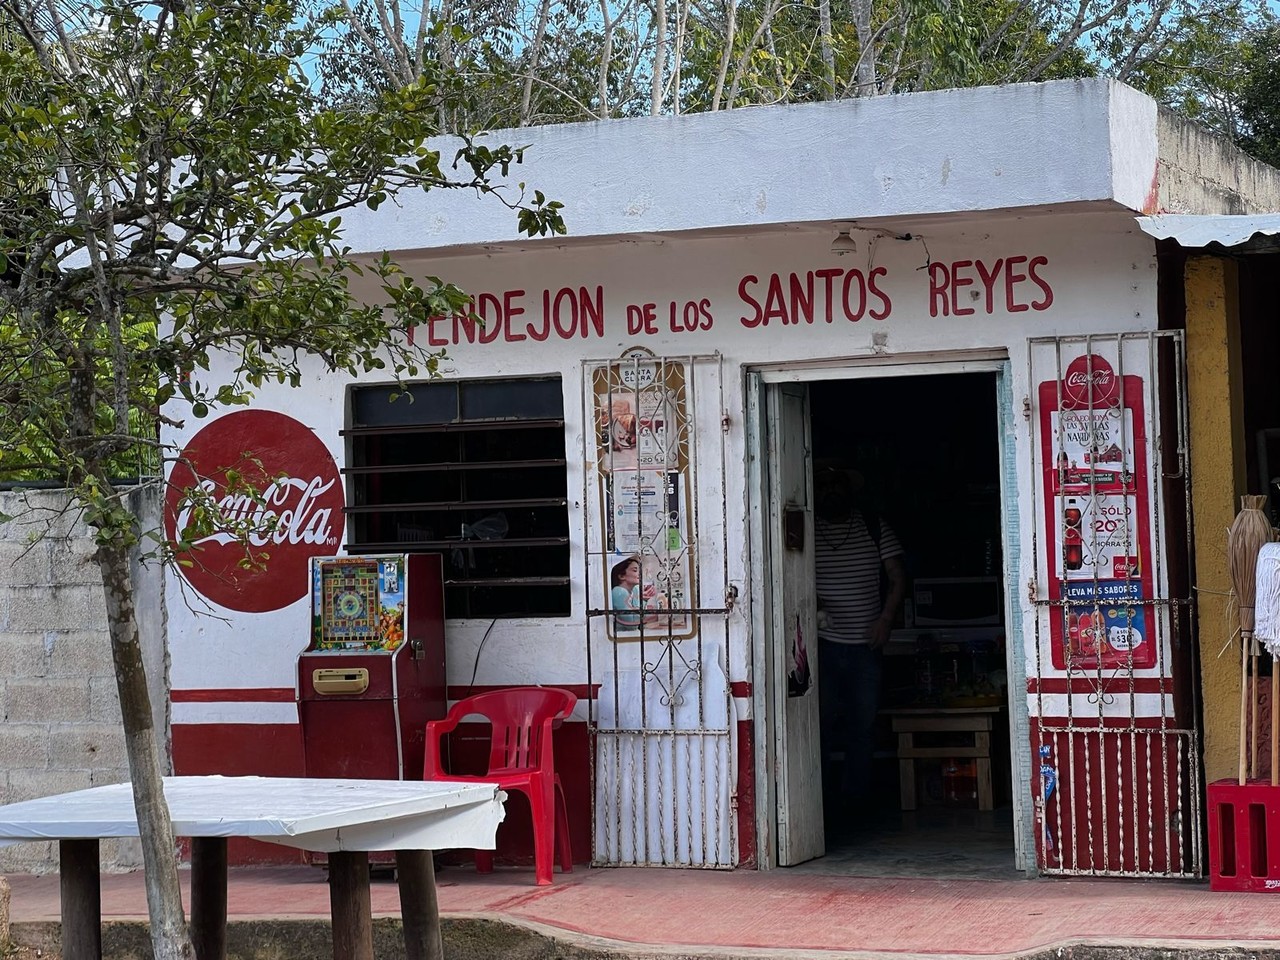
976	149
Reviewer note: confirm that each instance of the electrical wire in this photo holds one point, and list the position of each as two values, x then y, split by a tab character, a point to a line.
475	667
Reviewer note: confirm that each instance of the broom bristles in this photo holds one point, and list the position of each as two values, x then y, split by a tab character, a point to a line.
1250	530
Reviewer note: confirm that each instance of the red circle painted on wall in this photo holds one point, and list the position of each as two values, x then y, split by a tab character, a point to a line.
297	516
1090	381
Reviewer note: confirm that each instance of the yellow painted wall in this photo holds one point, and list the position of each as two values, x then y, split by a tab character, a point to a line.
1215	399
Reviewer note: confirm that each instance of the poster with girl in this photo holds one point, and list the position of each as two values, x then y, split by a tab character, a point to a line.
636	604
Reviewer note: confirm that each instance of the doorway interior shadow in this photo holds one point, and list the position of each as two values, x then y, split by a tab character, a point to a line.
932	842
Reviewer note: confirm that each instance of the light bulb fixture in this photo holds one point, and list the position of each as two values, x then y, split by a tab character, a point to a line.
843	243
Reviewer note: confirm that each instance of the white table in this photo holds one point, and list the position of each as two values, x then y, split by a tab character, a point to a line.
344	818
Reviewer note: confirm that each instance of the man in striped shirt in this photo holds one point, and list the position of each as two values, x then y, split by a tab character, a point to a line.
854	619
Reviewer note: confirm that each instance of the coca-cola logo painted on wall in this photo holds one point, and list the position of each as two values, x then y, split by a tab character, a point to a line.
1090	381
297	514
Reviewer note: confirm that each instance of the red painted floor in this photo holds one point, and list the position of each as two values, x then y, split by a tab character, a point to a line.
770	910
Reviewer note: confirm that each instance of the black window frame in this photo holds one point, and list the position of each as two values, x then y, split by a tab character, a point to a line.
447	453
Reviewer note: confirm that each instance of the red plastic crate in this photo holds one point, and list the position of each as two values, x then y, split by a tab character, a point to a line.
1244	837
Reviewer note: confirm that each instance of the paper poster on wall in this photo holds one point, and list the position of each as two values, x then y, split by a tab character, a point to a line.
1093	449
643	468
646	511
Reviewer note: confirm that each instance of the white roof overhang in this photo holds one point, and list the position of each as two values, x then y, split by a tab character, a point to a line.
1239	234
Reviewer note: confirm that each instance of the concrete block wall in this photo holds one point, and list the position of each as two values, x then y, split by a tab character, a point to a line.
59	713
1202	174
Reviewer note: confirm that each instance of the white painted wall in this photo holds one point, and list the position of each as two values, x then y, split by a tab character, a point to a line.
1100	267
1135	148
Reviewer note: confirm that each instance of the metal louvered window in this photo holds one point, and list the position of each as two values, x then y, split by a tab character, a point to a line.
473	470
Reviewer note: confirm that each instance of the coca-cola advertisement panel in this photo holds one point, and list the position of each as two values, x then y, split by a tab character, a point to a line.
1097	517
258	494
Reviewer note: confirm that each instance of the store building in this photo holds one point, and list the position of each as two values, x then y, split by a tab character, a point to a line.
949	293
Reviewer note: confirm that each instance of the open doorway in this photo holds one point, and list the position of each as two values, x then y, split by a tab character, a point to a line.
914	764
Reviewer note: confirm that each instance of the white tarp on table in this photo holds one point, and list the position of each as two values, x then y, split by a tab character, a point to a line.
318	815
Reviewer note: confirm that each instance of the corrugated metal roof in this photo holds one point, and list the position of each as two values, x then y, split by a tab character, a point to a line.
1252	233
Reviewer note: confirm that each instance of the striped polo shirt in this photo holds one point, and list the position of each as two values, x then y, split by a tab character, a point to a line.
847	566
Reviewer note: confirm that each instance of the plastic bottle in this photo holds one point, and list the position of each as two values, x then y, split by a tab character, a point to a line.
960	783
1072	542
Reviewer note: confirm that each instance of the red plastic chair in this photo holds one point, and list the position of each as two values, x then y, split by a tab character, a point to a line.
520	758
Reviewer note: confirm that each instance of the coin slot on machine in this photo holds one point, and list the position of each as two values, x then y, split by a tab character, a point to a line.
374	671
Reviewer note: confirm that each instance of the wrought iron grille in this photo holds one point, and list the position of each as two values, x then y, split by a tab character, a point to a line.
661	714
1110	667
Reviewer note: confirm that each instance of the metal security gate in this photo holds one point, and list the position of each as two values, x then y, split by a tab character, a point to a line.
1111	688
664	761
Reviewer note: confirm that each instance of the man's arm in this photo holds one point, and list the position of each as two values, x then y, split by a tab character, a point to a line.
897	573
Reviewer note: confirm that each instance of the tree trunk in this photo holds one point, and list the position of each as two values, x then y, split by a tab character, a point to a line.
445	55
828	54
730	29
766	19
606	57
535	53
866	70
169	937
677	61
659	56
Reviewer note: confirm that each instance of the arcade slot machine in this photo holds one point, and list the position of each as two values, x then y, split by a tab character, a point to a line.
374	671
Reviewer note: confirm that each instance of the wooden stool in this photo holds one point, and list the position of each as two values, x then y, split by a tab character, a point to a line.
909	721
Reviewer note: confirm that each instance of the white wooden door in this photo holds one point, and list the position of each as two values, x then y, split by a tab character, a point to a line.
793	627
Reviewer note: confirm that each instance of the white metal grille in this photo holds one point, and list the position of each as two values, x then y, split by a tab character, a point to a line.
1111	691
661	717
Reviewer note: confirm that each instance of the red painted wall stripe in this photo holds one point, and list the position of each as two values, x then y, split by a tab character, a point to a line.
746	795
1115	686
287	694
1080	724
739	688
580	690
239	695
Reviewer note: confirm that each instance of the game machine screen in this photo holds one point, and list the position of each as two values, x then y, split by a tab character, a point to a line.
373	674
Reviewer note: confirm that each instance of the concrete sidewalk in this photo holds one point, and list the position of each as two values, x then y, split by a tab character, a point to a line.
745	913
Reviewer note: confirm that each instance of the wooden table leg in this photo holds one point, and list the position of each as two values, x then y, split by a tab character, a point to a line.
907	784
419	908
79	881
209	897
982	741
986	798
906	771
349	904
